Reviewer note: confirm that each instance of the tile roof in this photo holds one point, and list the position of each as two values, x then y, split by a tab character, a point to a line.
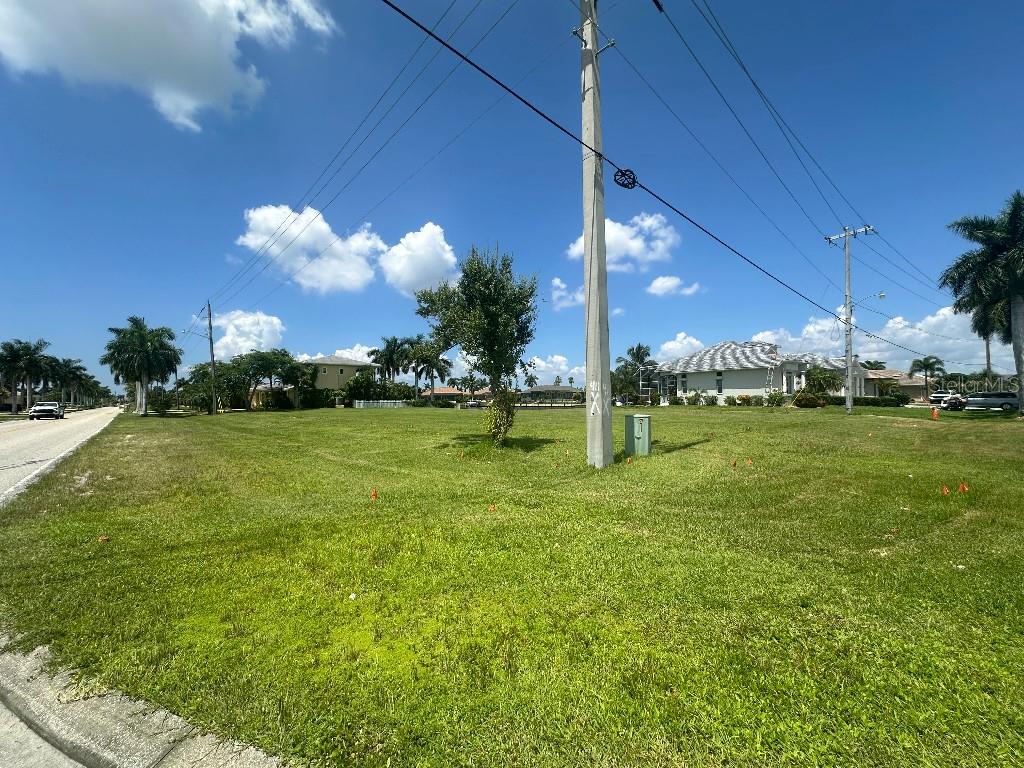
743	355
335	360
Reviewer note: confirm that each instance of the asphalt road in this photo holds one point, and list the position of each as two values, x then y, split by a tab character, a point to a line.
29	448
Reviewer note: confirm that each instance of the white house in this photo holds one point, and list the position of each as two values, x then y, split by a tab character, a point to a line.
745	368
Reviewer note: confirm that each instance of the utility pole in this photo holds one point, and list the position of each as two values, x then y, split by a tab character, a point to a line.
846	235
213	362
595	270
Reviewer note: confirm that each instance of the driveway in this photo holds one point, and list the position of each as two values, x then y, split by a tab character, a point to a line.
29	448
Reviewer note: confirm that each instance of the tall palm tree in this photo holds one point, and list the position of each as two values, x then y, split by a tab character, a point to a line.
26	363
994	271
930	366
873	365
392	356
68	375
434	366
142	355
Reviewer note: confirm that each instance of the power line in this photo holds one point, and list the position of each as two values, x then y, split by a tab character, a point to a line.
629	177
295	212
735	114
462	132
373	156
716	26
721	166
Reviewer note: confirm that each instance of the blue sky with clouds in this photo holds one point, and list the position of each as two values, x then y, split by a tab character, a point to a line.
150	149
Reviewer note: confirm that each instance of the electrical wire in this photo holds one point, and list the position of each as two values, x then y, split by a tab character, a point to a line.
639	185
374	155
716	26
295	211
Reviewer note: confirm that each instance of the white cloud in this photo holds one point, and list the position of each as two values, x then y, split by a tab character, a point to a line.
345	263
245	331
546	368
421	259
618	312
648	237
942	333
671	285
183	54
562	297
356	352
682	345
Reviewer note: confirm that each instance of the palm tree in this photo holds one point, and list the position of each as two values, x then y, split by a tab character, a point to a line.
69	374
930	366
142	355
638	358
571	381
873	365
993	272
392	356
531	380
434	366
24	362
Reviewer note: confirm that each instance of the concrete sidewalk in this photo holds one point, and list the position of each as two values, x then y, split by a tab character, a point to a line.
105	731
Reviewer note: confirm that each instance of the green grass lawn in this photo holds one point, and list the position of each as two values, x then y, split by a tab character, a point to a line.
824	605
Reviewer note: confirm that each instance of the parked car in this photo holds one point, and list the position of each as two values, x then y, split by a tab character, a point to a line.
46	410
474	403
954	402
938	397
1008	401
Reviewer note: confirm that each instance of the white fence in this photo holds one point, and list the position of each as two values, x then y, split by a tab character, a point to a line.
380	404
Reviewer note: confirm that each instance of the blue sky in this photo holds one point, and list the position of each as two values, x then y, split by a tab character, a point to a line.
149	149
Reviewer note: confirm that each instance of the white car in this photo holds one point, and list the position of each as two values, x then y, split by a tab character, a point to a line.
46	410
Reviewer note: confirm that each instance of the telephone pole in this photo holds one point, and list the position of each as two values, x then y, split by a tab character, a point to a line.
846	235
595	270
213	362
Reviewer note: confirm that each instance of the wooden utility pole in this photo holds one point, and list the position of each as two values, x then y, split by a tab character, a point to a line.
595	272
213	363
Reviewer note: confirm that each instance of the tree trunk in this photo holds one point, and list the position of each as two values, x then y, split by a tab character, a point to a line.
1017	331
416	384
145	395
28	392
988	356
432	388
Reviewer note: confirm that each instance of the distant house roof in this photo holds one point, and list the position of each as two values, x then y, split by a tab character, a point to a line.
743	355
335	360
452	391
892	374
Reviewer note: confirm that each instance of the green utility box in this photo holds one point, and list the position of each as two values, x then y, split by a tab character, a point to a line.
638	434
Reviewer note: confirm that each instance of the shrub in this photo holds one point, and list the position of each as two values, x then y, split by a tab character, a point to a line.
730	400
676	400
160	400
500	415
693	398
776	399
444	403
805	399
757	400
709	399
743	400
901	397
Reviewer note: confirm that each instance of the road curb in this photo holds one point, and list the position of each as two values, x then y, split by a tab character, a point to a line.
109	730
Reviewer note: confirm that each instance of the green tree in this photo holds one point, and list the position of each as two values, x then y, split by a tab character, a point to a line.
558	381
634	365
873	365
141	355
821	381
492	315
531	380
433	365
930	365
992	273
392	356
24	362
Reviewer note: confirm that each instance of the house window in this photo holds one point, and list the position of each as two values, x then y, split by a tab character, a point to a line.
323	369
682	383
718	381
341	371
